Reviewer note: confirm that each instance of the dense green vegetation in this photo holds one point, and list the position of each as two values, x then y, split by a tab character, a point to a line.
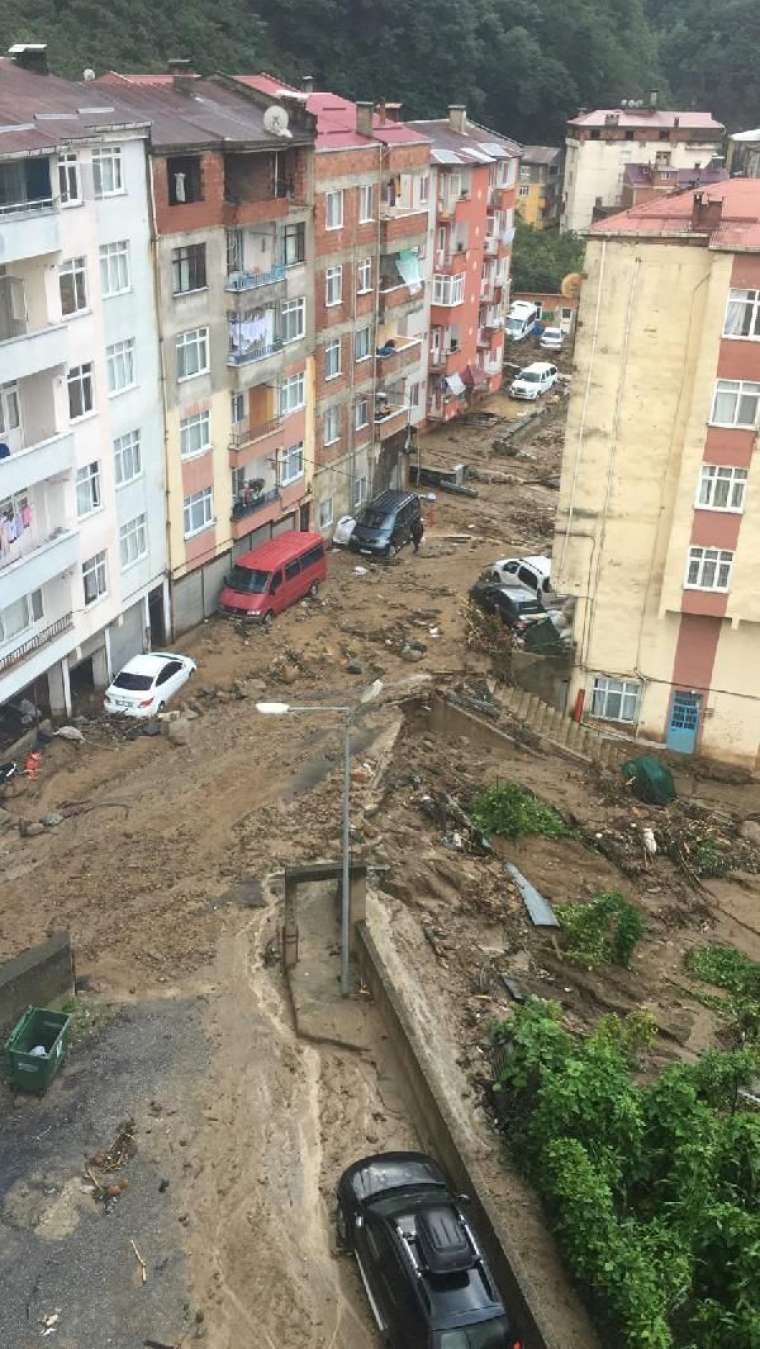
510	810
653	1190
521	66
541	258
604	930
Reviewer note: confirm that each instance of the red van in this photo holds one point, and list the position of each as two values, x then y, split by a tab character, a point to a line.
275	575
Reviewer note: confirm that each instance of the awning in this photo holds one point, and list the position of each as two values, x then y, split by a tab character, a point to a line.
455	385
408	263
473	376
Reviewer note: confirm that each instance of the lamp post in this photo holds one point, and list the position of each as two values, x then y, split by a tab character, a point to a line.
275	709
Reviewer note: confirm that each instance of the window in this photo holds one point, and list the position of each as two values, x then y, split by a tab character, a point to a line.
736	403
72	282
114	268
133	541
294	244
363	343
185	181
424	189
291	464
127	458
237	408
195	435
189	268
68	179
524	191
361	413
709	569
743	314
192	353
448	289
292	394
20	615
326	513
120	365
106	171
79	381
10	418
199	511
94	578
615	699
414	396
333	285
364	276
293	569
360	491
88	489
721	489
234	251
333	210
332	359
332	426
366	203
293	315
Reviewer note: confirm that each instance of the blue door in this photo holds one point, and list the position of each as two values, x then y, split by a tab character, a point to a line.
684	722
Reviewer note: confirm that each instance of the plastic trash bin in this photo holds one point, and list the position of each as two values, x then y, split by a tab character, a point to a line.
38	1029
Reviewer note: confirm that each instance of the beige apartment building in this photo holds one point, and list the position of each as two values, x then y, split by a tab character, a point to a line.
658	527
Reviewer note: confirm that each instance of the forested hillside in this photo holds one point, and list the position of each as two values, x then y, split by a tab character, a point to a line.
521	65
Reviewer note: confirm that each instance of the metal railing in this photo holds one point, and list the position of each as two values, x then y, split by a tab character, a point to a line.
38	640
244	434
237	281
34	204
257	351
242	507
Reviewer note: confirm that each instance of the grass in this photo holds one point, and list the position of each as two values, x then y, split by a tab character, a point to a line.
511	811
605	931
726	967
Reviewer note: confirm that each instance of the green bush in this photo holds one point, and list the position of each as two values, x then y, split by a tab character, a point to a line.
511	811
605	931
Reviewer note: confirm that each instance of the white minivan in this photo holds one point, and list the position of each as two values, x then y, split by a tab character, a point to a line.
520	319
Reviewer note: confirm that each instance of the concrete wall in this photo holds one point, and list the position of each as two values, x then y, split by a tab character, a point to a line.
39	977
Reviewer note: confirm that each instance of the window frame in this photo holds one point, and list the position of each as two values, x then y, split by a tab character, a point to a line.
134	448
111	257
333	286
704	556
35	612
196	421
121	356
725	386
83	378
286	476
335	345
710	475
297	232
68	170
627	690
335	195
194	260
361	332
287	308
754	306
139	527
361	402
326	505
445	284
332	412
358	497
200	340
96	566
364	269
287	406
204	497
366	203
76	270
92	484
102	155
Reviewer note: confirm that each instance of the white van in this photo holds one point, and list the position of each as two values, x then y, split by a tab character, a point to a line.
520	319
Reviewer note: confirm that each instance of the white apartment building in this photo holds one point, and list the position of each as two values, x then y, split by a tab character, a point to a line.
82	484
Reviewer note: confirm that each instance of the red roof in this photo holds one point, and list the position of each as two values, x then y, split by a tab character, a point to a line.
336	117
658	119
737	227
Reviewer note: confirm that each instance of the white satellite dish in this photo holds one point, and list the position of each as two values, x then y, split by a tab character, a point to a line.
89	74
276	121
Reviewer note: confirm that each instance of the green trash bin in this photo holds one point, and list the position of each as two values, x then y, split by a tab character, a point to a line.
41	1030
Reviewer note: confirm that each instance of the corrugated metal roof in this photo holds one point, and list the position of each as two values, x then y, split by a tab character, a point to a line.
645	117
671	214
40	112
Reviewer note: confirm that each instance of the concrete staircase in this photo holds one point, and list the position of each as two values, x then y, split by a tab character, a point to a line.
561	732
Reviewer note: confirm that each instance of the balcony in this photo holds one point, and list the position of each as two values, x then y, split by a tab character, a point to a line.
29	219
393	420
33	464
39	564
273	281
245	434
400	299
35	643
451	263
30	352
398	223
445	359
449	208
250	501
404	354
255	351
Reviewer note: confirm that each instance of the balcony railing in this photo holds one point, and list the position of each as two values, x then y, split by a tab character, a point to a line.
238	281
33	204
243	434
257	351
34	643
248	505
491	245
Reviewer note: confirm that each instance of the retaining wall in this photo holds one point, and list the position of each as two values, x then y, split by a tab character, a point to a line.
37	977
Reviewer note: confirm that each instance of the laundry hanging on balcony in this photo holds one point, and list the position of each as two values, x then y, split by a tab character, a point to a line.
455	384
408	263
252	331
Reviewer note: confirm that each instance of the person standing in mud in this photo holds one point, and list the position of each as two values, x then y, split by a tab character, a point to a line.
418	530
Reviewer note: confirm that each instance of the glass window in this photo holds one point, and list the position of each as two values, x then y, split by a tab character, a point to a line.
448	290
293	316
17	617
333	285
332	425
192	353
363	343
292	394
326	513
333	210
615	699
234	251
294	244
424	189
94	578
291	464
120	365
133	541
364	276
189	268
114	268
736	403
72	282
360	491
195	434
10	418
198	511
106	171
127	457
709	569
69	184
88	489
366	203
332	359
721	489
361	413
79	381
743	314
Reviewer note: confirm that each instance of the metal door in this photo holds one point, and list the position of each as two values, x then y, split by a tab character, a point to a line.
684	722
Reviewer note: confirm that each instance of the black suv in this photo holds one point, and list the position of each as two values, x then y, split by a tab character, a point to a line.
515	605
423	1271
385	525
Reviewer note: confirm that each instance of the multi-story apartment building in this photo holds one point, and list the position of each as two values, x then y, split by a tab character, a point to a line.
473	187
642	182
231	185
82	521
600	144
538	196
371	213
658	528
743	157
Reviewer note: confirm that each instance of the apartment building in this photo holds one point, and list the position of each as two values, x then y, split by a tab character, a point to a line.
658	528
371	214
473	190
601	144
82	534
643	182
743	157
231	183
539	191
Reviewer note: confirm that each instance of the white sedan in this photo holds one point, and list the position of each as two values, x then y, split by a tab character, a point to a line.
146	683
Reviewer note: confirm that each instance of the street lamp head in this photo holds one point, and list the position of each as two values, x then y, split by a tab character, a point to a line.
372	691
273	709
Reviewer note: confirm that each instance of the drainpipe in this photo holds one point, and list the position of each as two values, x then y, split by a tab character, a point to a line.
163	383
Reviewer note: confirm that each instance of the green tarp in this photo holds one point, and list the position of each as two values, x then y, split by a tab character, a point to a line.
650	780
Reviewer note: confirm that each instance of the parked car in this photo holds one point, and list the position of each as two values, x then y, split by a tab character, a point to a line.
385	525
420	1261
146	683
520	320
516	606
552	339
532	572
275	575
533	381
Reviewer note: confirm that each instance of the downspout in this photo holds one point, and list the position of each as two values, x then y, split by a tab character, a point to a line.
584	411
168	620
376	314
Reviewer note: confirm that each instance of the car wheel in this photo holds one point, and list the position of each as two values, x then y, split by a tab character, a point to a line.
267	620
314	589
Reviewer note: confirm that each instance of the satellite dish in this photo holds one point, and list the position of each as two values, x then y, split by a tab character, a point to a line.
89	74
276	121
571	286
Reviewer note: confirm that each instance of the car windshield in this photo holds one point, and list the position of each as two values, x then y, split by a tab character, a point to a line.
375	520
249	580
136	683
513	325
489	1335
530	376
552	332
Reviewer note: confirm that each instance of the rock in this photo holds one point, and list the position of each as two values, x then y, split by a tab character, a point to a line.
178	732
52	820
354	667
288	674
677	1025
7	821
750	829
412	651
190	714
257	686
32	828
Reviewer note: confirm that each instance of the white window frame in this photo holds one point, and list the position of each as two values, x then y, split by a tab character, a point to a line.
364	276
238	405
359	492
133	541
749	301
448	290
709	569
127	458
81	375
332	426
69	179
202	501
288	308
741	389
424	192
362	333
366	203
361	418
605	688
333	286
10	408
32	613
76	269
195	435
291	464
334	209
193	339
121	366
336	346
95	567
89	495
108	157
325	515
115	276
713	478
292	394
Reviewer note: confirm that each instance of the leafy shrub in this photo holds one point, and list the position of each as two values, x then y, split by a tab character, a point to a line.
605	931
727	968
510	810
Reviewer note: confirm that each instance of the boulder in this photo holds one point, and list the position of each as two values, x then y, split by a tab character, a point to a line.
178	732
750	829
52	820
32	828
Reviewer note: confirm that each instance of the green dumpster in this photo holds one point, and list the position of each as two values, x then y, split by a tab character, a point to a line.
35	1049
650	780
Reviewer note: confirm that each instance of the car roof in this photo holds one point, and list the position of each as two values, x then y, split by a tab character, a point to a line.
536	365
520	307
542	564
278	550
150	663
552	328
389	501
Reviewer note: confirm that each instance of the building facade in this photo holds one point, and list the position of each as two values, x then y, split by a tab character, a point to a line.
600	144
658	528
539	190
82	489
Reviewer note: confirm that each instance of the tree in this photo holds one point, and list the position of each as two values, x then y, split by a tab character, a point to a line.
541	258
